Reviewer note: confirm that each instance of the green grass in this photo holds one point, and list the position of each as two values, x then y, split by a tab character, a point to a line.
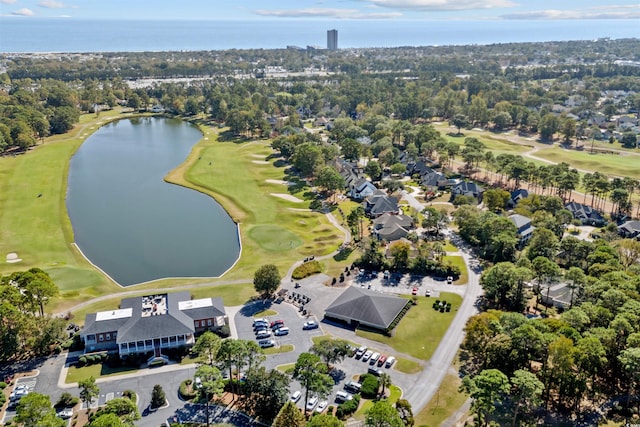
608	164
394	395
282	349
407	366
421	329
99	370
265	313
39	230
450	247
444	403
494	143
458	261
287	367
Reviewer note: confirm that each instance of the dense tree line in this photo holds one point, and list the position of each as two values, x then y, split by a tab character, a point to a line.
25	328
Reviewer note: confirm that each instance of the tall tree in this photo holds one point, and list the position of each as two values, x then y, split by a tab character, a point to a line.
35	410
324	420
486	389
311	373
158	397
211	385
382	414
527	392
266	280
289	416
88	391
207	347
330	350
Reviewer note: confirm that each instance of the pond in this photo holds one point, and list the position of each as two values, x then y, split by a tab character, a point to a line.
132	224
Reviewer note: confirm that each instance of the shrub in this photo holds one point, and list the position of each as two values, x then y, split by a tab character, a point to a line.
3	385
66	400
82	361
158	397
223	331
347	408
306	269
370	386
315	205
186	391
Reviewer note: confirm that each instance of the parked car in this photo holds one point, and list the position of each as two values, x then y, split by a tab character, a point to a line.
367	355
343	396
260	320
374	371
360	352
382	359
263	334
374	358
281	331
266	343
390	362
449	280
322	406
66	413
311	403
414	291
276	324
310	324
260	328
353	386
197	382
296	396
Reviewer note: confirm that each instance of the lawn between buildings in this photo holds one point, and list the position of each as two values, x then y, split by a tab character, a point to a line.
419	332
272	229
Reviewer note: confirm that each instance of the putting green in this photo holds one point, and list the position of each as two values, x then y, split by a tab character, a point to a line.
274	238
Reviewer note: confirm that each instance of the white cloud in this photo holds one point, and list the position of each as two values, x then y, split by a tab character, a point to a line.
23	12
608	12
51	4
7	1
442	5
327	13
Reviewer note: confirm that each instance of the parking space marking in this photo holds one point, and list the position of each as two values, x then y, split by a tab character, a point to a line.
109	397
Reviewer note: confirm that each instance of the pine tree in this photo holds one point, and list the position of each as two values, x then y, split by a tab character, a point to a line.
158	397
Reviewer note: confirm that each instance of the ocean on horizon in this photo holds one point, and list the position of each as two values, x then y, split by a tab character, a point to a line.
19	34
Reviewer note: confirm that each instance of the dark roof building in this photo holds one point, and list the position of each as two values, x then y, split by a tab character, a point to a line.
630	229
379	203
467	188
151	323
358	306
586	214
392	227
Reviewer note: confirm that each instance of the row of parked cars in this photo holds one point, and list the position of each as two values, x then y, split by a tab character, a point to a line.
265	330
374	358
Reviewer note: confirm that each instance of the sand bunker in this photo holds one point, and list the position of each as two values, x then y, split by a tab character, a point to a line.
260	162
257	156
12	258
288	197
278	181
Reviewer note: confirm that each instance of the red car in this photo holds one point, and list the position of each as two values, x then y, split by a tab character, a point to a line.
414	291
382	359
276	324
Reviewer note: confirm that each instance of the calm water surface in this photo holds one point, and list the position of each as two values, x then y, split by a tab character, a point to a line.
131	223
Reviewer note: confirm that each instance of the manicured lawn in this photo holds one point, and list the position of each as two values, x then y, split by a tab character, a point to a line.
265	313
450	247
407	366
459	261
494	143
421	329
444	403
288	367
99	370
282	349
271	228
609	164
394	395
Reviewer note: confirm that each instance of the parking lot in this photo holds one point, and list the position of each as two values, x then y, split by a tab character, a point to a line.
347	370
22	387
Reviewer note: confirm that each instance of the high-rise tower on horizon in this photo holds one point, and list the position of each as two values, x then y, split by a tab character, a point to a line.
332	39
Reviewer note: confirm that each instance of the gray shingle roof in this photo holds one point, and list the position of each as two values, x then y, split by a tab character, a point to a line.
366	306
215	310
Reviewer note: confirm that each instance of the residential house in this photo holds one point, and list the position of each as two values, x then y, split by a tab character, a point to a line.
361	189
320	121
525	229
586	214
390	227
630	229
434	181
516	196
467	188
379	203
152	323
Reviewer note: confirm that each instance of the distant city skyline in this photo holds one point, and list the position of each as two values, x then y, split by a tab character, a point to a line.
325	9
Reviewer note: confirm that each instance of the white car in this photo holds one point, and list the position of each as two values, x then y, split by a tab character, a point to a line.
367	355
281	331
311	403
322	406
296	396
66	413
343	396
374	358
263	334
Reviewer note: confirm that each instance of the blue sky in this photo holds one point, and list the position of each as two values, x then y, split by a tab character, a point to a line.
324	9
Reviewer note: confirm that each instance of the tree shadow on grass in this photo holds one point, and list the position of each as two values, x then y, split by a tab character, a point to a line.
251	308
